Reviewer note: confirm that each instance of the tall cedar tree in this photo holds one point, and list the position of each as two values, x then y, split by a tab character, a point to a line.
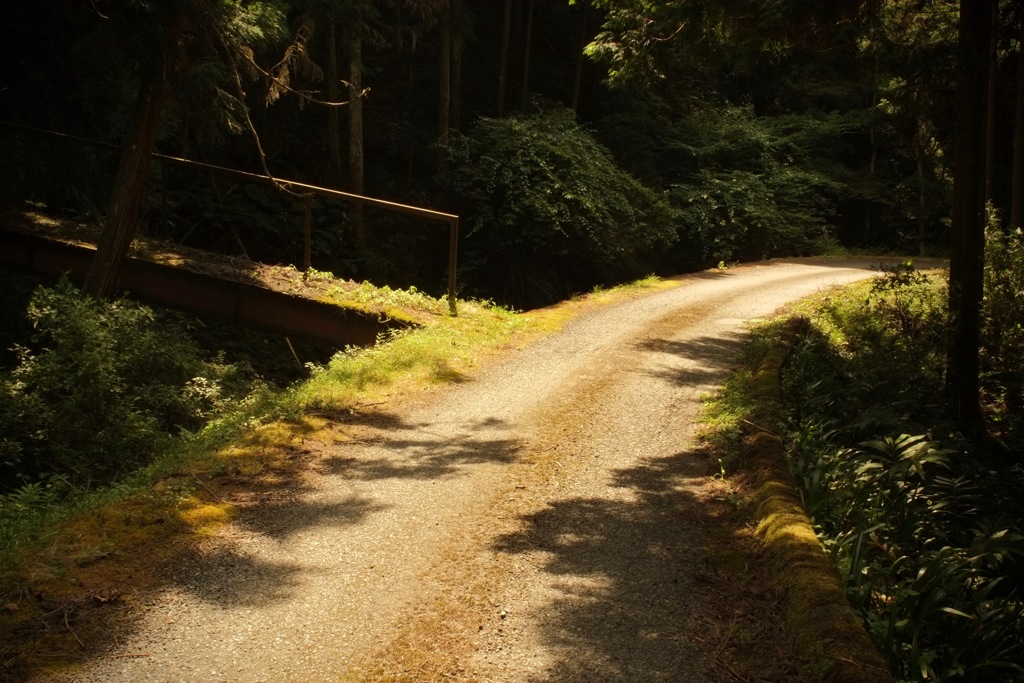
966	268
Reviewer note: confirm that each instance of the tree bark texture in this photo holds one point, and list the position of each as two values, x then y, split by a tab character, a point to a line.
526	55
966	267
354	48
444	94
333	93
130	182
1017	191
506	27
922	199
990	116
458	41
577	79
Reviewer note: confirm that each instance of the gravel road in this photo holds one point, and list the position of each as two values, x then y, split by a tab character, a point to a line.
529	524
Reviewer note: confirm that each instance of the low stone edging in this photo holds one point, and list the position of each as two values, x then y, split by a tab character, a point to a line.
827	631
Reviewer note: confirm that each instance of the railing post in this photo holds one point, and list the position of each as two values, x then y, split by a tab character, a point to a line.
453	252
307	243
163	194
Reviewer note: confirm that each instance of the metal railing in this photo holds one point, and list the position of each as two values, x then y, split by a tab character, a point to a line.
298	187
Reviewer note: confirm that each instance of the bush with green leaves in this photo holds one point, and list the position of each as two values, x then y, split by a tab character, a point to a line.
872	361
754	190
1003	334
97	387
547	208
928	534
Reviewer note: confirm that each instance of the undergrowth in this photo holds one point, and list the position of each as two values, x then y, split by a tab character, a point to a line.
925	525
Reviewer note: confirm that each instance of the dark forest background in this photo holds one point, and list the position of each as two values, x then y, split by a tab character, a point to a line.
582	144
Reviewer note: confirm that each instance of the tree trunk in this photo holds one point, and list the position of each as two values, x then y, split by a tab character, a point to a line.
458	42
354	49
873	160
130	181
990	117
526	55
868	204
922	203
1017	191
506	27
444	90
333	94
577	80
966	268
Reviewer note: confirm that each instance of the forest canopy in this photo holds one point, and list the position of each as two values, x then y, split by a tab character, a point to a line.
658	137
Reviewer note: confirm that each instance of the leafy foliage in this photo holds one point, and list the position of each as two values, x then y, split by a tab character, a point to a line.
928	534
540	191
1003	337
97	388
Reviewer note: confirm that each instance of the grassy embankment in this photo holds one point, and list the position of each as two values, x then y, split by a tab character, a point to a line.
70	566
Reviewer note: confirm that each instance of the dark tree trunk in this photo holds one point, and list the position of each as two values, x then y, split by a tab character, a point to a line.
990	95
444	95
582	44
130	182
458	42
354	49
333	94
922	199
1017	191
873	159
506	27
966	268
526	56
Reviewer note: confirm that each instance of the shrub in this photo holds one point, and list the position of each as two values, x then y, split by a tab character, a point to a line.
1003	334
928	535
545	200
751	187
96	388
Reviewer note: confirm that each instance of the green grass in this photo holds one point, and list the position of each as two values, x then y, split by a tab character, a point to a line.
443	349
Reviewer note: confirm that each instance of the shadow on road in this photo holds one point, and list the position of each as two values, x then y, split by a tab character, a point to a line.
703	357
412	451
625	571
386	447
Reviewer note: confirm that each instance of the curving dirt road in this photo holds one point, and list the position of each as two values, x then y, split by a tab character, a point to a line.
536	523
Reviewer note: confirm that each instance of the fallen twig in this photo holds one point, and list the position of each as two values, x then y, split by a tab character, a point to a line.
763	429
68	626
215	496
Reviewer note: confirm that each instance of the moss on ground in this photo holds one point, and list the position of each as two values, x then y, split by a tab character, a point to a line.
828	633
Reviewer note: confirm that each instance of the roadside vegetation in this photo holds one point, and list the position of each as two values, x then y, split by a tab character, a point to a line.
98	394
122	428
924	523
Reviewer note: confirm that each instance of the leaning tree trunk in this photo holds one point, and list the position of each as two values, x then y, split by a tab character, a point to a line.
966	267
130	182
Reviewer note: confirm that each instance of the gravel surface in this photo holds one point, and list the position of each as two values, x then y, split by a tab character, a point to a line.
530	524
